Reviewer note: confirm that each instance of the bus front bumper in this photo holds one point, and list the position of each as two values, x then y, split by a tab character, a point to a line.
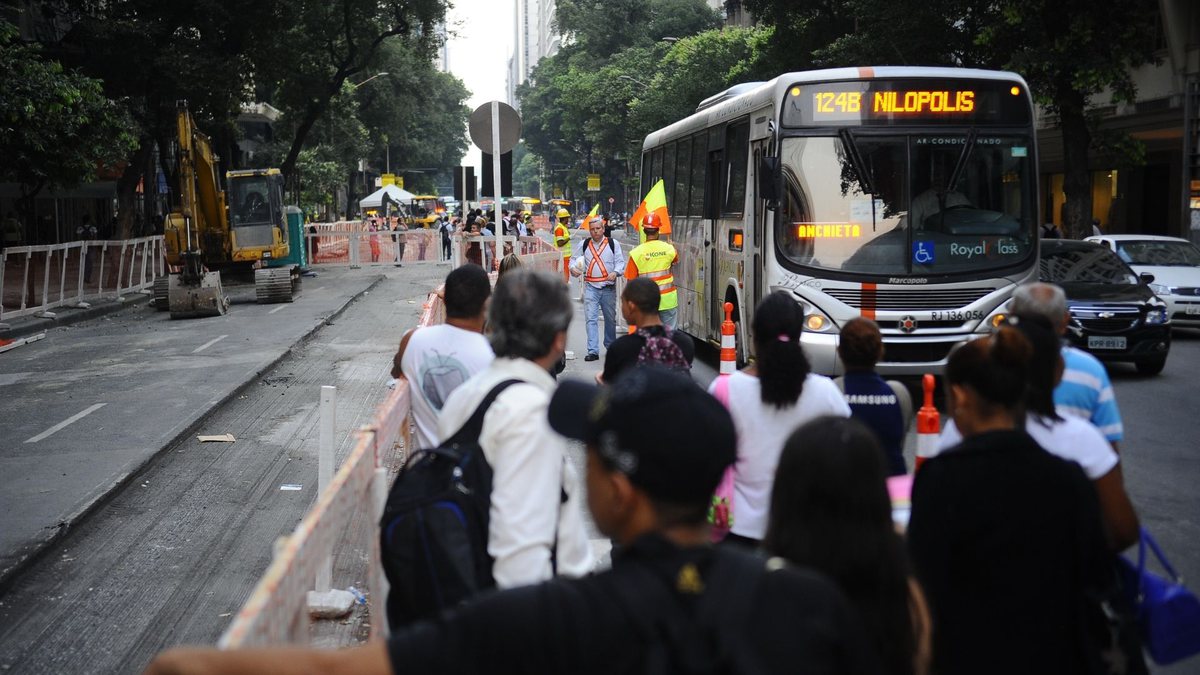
902	357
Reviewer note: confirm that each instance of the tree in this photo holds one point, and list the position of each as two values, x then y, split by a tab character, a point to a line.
56	126
576	105
314	48
150	55
419	110
1071	51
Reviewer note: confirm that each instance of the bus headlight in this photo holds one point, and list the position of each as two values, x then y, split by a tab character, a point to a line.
993	321
816	322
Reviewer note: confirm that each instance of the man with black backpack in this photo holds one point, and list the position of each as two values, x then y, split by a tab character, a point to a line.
652	342
672	602
496	504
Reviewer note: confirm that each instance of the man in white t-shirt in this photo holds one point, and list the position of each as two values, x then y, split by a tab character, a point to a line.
437	359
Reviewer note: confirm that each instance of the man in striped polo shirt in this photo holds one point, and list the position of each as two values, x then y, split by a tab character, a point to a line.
1085	390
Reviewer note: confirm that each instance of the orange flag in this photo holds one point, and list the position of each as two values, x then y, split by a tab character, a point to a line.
654	204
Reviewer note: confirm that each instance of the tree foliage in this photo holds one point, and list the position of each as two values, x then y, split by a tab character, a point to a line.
56	126
576	108
301	56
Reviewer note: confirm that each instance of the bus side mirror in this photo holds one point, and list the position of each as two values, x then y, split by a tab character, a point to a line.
768	180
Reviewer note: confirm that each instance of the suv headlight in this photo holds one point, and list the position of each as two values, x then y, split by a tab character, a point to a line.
1161	289
1156	316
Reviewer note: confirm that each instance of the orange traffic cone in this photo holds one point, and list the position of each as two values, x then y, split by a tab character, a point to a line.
928	424
728	342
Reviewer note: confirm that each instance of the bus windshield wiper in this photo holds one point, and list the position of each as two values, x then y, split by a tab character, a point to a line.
962	159
856	161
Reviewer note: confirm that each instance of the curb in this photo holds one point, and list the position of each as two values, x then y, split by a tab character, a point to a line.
28	325
9	576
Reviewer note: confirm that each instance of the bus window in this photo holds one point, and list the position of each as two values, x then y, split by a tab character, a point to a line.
668	173
699	152
737	147
678	200
656	163
645	173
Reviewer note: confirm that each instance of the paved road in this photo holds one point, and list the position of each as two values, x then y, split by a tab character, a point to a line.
1161	456
88	405
173	554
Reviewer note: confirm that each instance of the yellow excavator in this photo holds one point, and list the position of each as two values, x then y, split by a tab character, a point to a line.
205	236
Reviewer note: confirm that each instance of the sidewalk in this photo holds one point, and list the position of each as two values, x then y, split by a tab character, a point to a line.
66	316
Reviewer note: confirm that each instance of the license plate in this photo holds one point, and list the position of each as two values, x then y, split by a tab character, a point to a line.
1103	342
1191	310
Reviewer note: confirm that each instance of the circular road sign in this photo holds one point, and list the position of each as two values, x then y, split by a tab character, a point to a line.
480	127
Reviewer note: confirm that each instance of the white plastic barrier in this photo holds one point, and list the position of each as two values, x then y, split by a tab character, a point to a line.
277	612
35	279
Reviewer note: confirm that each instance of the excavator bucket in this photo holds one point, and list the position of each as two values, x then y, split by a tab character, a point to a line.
193	300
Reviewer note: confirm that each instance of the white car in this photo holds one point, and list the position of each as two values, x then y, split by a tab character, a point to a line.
1175	264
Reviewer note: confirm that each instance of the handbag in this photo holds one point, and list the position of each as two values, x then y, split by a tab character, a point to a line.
720	511
1167	612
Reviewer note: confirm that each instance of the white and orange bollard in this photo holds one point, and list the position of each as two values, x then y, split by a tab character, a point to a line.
728	342
929	424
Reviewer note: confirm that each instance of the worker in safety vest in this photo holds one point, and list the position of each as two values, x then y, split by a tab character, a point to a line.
562	240
654	260
600	265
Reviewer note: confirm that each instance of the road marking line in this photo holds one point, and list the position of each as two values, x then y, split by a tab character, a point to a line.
63	424
208	344
276	309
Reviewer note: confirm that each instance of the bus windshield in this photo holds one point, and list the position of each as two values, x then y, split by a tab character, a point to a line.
907	203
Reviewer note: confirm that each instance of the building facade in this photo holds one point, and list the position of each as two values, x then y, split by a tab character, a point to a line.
1161	195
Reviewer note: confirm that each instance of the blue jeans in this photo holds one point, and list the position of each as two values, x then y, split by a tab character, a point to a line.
668	316
595	301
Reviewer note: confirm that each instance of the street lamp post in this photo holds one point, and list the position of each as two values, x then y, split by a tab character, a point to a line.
356	86
633	80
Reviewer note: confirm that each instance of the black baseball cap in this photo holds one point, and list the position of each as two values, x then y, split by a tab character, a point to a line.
656	426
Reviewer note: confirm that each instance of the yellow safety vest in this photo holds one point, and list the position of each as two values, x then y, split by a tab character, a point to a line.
653	260
563	232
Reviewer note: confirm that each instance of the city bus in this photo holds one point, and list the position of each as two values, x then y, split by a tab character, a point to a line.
902	194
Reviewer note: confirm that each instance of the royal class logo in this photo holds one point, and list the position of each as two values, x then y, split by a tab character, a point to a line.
986	248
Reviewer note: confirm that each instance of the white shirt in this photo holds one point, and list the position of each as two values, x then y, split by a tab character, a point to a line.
529	472
436	361
1071	438
761	431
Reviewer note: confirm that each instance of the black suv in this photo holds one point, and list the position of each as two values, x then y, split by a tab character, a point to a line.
1114	314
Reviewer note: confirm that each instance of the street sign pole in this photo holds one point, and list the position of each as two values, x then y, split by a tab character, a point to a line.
497	226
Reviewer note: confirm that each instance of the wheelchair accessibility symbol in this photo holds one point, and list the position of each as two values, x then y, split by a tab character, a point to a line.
922	252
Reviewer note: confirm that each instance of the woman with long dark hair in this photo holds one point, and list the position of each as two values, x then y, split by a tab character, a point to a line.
1069	437
768	401
1005	537
830	511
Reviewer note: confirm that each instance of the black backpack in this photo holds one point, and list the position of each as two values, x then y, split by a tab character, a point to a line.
434	530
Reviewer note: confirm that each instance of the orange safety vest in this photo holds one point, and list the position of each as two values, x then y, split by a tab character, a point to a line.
596	272
653	260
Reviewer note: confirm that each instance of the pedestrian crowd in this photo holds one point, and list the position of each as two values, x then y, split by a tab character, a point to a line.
1006	564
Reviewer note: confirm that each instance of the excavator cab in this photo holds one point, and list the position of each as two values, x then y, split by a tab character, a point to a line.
256	218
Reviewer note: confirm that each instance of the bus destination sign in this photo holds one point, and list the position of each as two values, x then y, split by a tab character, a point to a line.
888	102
